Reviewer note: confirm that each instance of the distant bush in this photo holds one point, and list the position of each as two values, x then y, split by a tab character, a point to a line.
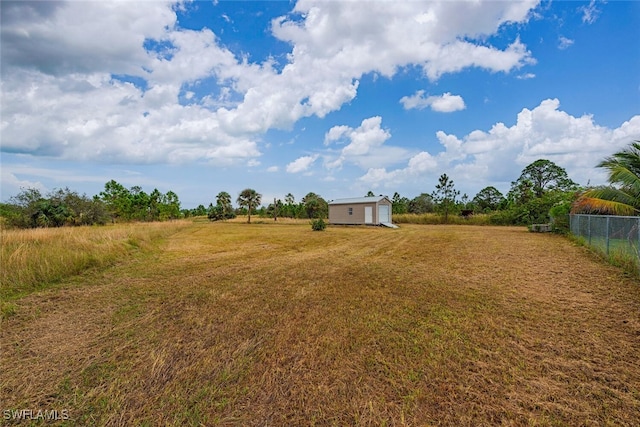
506	217
218	213
62	207
318	225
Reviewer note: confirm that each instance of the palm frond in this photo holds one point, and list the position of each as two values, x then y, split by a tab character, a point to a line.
628	158
625	178
619	195
593	205
624	172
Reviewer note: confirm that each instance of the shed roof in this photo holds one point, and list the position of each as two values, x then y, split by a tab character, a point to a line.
355	200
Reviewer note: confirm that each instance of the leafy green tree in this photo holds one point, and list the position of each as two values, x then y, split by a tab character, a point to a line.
543	176
315	206
399	205
421	204
26	197
541	186
275	209
170	206
622	197
199	211
215	212
11	215
488	199
117	200
249	199
290	209
370	194
26	203
81	210
60	207
155	200
140	204
445	196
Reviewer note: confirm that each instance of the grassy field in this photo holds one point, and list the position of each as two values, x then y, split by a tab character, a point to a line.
274	324
35	258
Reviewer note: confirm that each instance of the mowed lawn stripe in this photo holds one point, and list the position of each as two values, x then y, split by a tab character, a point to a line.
275	324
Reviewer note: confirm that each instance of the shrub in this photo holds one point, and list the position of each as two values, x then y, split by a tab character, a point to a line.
318	225
560	217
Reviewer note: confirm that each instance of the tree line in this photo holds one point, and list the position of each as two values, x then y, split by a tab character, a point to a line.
249	202
64	207
542	191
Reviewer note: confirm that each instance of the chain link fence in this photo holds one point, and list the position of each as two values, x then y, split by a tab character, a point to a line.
618	237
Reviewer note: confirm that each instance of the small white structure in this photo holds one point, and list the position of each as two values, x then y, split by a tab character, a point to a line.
374	210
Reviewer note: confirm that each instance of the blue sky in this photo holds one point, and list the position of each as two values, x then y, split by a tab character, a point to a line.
334	97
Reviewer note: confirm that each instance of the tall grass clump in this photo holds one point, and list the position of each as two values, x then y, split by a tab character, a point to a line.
31	259
432	218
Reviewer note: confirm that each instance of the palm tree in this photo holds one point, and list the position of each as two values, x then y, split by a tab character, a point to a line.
223	199
623	196
249	198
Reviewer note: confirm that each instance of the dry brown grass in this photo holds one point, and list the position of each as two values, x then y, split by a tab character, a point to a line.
274	324
33	259
434	219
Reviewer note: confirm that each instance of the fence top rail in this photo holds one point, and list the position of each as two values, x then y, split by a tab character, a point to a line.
607	216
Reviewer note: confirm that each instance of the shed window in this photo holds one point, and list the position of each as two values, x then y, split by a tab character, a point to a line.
350	211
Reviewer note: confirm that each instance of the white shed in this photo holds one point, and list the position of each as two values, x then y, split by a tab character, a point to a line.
374	210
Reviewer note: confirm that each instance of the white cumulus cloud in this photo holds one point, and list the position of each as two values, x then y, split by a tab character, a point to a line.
420	164
301	164
363	146
445	103
110	82
498	155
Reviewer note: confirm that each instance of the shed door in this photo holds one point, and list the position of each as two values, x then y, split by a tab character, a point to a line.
368	215
383	214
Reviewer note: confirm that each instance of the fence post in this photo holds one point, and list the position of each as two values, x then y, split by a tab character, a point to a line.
607	234
589	228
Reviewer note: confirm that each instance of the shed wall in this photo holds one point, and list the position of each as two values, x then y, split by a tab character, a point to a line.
339	214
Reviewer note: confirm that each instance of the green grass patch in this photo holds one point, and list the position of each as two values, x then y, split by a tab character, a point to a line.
620	252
